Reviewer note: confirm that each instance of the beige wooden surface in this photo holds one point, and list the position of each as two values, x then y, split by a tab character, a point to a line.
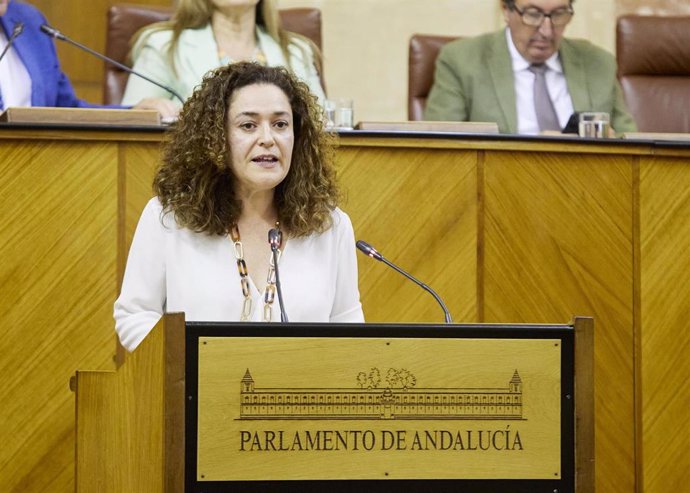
505	231
558	238
663	341
124	439
232	448
130	422
85	116
585	460
58	218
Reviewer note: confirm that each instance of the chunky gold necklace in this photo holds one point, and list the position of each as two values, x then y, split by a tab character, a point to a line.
269	292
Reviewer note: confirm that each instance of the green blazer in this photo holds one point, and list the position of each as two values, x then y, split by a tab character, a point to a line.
474	82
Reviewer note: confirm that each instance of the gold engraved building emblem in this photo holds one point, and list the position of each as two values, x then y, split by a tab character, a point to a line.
399	399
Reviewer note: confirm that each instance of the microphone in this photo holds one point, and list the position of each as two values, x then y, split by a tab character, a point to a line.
50	31
369	250
18	28
275	239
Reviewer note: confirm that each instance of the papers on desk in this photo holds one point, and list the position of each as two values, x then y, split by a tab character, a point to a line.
425	126
89	116
657	136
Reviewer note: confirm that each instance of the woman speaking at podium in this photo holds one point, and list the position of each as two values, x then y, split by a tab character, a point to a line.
249	155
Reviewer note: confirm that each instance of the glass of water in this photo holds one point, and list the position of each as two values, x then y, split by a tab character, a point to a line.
594	124
344	117
329	112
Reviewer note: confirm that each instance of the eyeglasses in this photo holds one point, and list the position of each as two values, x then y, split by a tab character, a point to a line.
532	16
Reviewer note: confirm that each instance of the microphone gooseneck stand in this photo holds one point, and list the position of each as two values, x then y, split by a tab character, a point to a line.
16	31
370	251
275	239
50	31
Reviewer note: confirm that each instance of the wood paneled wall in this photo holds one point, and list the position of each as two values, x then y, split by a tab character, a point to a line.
664	311
504	230
538	233
58	279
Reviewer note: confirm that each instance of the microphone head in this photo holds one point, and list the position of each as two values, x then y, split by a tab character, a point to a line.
369	250
50	31
275	238
18	29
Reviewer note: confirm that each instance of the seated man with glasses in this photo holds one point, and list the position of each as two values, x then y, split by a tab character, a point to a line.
526	78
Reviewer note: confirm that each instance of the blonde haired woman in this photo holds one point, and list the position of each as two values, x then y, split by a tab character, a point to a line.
205	34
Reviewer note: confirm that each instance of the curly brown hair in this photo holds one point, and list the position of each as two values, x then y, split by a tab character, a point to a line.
195	180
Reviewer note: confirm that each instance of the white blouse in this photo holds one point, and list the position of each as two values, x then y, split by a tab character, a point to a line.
173	269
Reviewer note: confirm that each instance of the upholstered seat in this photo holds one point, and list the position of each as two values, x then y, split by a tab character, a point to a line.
653	56
124	20
423	51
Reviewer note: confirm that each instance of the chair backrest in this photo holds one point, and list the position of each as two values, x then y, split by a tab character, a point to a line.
124	20
653	56
424	49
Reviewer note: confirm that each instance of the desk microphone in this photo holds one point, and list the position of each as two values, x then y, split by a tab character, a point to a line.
50	31
18	28
369	250
275	238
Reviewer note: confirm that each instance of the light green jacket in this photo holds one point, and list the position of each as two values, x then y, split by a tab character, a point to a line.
474	82
196	54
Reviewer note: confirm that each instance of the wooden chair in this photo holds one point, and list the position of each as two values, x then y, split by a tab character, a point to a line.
423	51
653	56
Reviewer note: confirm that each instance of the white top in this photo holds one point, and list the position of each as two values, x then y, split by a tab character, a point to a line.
556	85
172	269
15	82
196	54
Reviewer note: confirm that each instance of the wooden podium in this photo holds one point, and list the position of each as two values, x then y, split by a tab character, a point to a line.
307	407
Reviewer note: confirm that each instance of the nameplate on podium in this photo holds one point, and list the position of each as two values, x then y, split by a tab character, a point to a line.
75	116
658	136
283	408
431	126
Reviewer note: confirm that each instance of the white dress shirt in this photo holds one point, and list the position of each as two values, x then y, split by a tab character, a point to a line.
556	85
15	83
